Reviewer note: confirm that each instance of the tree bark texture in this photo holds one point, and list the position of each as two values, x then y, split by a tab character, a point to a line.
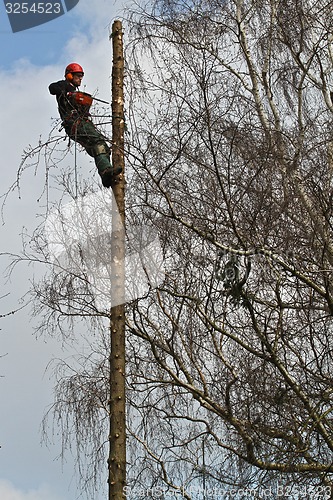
117	438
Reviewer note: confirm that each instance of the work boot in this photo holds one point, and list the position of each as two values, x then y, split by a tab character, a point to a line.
105	170
107	177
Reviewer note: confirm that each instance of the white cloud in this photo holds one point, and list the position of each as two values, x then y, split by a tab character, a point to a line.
9	492
26	112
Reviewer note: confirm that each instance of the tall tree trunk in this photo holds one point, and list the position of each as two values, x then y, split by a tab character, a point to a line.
117	437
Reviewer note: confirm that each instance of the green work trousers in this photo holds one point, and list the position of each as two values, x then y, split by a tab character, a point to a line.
85	133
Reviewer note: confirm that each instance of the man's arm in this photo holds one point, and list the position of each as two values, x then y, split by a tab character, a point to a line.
61	87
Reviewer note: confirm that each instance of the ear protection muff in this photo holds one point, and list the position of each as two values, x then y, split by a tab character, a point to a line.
69	77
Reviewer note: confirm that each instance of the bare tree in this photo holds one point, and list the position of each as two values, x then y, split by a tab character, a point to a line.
230	160
232	154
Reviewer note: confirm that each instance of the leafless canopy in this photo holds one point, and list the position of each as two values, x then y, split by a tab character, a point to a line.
230	159
231	147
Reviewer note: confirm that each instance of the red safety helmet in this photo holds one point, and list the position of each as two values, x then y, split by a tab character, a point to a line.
73	68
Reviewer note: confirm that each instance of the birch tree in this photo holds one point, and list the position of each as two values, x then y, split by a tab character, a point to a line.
231	149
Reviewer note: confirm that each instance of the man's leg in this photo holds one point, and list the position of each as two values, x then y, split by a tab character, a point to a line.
101	154
95	145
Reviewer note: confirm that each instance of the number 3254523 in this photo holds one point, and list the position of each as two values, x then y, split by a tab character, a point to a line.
35	8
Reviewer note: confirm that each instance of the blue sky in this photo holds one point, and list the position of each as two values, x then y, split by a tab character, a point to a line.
40	45
30	60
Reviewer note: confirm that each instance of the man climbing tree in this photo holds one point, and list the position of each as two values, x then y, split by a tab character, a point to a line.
74	107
